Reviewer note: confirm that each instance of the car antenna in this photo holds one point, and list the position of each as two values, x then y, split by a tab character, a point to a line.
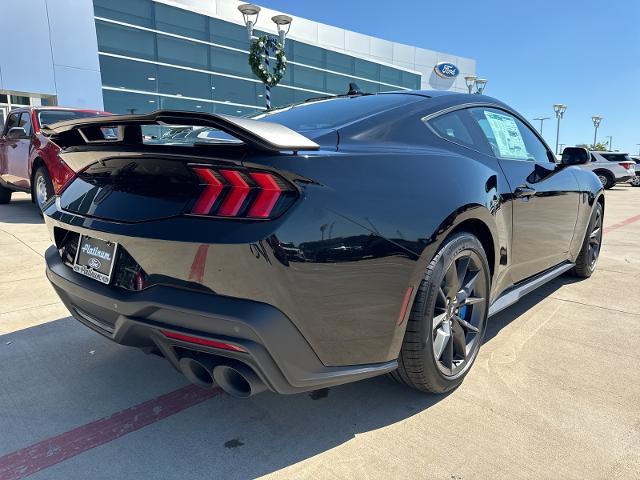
354	89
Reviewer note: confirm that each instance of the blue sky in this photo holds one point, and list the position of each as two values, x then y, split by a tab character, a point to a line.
585	54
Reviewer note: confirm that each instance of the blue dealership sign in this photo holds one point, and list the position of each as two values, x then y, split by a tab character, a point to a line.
446	70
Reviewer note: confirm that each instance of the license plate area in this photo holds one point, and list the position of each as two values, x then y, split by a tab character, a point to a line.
95	258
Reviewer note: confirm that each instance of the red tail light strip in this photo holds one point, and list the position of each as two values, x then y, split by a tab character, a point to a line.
242	193
211	192
267	197
237	194
202	341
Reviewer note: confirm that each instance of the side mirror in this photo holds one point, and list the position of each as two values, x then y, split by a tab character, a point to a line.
575	156
16	132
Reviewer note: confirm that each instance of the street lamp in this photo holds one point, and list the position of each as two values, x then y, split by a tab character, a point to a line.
281	22
596	123
541	120
559	108
609	142
480	84
266	47
248	10
471	81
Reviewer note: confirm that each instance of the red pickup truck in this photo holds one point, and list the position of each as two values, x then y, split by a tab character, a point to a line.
29	162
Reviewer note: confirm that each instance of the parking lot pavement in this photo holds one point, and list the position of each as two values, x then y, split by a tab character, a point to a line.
554	393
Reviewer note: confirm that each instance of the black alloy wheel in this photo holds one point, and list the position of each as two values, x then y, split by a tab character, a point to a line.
595	239
459	314
590	251
448	317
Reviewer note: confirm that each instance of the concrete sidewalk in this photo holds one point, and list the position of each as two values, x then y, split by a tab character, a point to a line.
554	393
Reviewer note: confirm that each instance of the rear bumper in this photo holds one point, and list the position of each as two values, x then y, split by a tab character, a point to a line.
624	179
276	350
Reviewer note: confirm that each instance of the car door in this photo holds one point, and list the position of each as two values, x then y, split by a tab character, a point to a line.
545	196
18	153
7	145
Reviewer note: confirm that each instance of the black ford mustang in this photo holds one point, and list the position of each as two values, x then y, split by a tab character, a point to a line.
316	244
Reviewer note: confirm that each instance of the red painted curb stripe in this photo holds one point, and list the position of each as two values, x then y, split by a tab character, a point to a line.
32	459
623	223
199	262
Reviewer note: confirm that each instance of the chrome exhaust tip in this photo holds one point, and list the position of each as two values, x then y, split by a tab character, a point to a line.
199	372
238	380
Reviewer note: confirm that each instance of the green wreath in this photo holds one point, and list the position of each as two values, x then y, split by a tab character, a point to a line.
261	49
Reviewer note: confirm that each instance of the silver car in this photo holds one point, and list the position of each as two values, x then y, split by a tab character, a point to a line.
611	167
635	181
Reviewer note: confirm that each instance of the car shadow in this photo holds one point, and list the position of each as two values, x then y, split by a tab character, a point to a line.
20	210
95	378
505	317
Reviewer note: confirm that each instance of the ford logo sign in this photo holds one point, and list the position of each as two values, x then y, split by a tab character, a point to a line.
94	263
446	70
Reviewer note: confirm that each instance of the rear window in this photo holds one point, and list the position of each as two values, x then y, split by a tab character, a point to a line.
617	157
310	115
47	117
334	112
184	135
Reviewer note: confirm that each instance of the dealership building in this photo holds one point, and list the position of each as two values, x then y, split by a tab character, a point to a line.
135	56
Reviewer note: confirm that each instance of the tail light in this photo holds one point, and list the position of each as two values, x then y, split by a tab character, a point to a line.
241	193
627	165
202	341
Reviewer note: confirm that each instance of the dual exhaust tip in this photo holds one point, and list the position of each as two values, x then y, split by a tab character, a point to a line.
236	379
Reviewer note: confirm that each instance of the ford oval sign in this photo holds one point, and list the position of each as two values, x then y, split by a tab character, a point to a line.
94	263
446	70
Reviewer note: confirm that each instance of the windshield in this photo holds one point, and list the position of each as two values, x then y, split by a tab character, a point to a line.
334	112
47	117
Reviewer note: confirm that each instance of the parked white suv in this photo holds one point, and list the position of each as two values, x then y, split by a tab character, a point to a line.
635	181
611	167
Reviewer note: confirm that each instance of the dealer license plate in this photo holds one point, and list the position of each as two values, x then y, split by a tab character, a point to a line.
95	258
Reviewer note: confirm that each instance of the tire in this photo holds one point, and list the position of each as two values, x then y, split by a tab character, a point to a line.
607	180
635	181
588	257
5	195
434	312
41	187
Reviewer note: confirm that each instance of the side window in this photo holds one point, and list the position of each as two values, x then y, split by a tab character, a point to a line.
458	128
25	122
12	121
508	137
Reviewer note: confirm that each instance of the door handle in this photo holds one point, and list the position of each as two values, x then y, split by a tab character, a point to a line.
524	191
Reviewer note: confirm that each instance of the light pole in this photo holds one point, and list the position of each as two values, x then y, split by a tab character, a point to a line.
473	81
596	123
541	120
609	142
266	47
281	22
248	11
559	108
481	83
561	148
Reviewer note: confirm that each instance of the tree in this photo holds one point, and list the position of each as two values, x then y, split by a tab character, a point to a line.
598	146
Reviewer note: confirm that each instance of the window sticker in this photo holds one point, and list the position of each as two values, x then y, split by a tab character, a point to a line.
508	138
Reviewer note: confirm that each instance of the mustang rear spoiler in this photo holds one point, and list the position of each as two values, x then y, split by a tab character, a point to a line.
260	135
